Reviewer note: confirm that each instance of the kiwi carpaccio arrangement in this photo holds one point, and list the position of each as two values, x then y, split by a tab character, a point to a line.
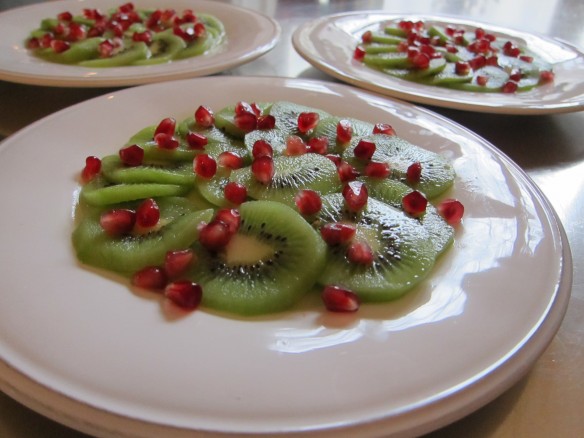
247	209
452	56
125	36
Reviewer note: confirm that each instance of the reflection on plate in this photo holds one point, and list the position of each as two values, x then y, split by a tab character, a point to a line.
84	349
241	46
328	43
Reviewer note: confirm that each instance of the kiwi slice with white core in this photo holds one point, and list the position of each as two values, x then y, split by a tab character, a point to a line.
402	249
270	263
291	174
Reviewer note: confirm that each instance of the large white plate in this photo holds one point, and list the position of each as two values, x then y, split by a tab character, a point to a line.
328	43
249	35
82	348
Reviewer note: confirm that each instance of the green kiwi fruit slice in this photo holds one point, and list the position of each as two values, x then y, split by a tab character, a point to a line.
214	35
128	254
391	60
308	171
275	137
327	127
392	192
212	189
270	263
403	251
437	172
79	51
286	115
436	66
135	52
167	172
164	48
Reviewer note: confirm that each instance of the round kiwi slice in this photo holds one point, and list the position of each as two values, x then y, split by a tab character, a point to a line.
212	189
327	127
437	172
163	48
150	171
292	173
402	249
275	137
268	265
128	254
286	115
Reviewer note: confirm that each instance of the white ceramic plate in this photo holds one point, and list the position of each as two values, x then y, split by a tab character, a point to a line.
328	43
82	348
249	35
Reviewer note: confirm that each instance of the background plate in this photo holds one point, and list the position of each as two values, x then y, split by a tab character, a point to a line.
328	43
83	349
241	46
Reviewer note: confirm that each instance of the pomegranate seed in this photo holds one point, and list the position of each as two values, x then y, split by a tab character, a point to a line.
308	202
511	49
132	155
45	41
91	169
235	193
263	169
204	117
479	32
262	148
295	146
266	122
367	37
421	61
344	131
414	203
166	126
546	77
462	68
230	217
205	166
364	149
118	222
337	233
360	252
243	107
451	210
359	53
60	46
307	121
414	172
347	172
334	158
76	32
196	140
478	62
199	29
65	16
147	214
482	80
247	122
33	43
126	7
339	299
150	277
318	145
215	235
493	61
145	37
376	169
515	76
230	160
383	128
177	262
166	141
256	109
355	194
184	293
509	87
106	49
525	58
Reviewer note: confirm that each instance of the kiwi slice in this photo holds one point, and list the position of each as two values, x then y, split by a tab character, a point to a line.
390	60
308	171
128	254
100	192
215	32
164	47
437	173
270	263
436	66
166	172
286	115
275	137
135	52
327	127
212	189
392	192
79	51
403	251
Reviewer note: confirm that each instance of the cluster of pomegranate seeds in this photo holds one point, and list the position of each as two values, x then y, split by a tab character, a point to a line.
205	166
91	170
339	299
246	116
216	234
132	155
122	221
451	210
356	195
308	202
414	203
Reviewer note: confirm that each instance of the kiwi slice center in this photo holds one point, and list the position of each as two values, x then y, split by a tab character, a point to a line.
247	250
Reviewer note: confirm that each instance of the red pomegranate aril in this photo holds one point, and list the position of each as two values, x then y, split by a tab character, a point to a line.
336	159
256	109
266	122
414	172
145	37
106	49
60	46
360	252
230	217
76	32
515	76
132	155
383	128
421	61
243	107
462	68
414	203
367	36
493	61
318	145
356	195
337	233
205	166
526	58
91	169
451	210
150	277
295	146
230	160
262	148
215	235
126	7
65	16
359	53
166	141
546	77
178	261
364	149
235	192
196	140
118	222
509	87
45	40
147	214
247	122
376	169
33	43
339	299
344	131
184	293
482	80
308	202
307	121
347	172
204	117
166	126
262	169
478	62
